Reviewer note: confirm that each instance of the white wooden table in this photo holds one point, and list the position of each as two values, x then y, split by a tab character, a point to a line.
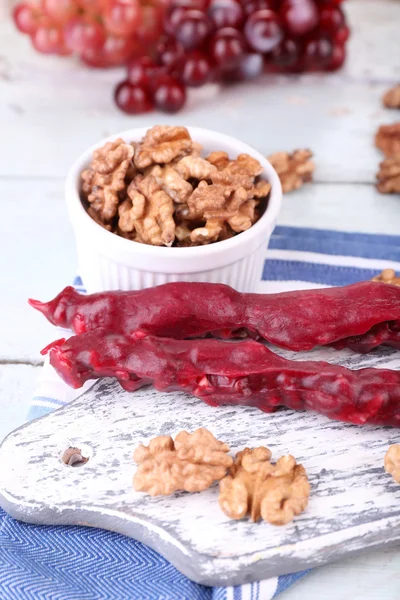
51	110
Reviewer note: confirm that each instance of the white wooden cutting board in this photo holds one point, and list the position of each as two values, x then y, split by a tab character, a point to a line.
354	504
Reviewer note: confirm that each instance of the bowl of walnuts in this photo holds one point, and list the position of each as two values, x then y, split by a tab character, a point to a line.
150	206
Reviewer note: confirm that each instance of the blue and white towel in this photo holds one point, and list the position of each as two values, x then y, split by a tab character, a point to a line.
77	563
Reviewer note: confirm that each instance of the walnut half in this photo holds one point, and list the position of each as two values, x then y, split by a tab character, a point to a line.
293	169
191	463
105	178
254	486
387	276
388	176
391	98
392	462
387	139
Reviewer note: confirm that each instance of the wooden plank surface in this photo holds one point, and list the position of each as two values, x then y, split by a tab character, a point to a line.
49	112
353	504
59	107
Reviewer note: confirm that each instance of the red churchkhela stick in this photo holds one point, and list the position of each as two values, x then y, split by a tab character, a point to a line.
360	316
220	372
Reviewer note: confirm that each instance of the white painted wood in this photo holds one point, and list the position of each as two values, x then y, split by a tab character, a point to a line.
17	385
60	107
6	7
37	258
353	502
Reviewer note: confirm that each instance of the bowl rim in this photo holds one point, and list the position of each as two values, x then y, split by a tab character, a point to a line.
78	211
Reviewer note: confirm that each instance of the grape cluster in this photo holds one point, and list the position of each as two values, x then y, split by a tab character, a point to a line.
104	33
170	45
232	40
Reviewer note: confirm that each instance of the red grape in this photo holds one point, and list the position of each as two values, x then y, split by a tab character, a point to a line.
225	13
84	33
170	94
26	18
196	70
60	11
286	54
170	54
249	66
338	58
151	24
331	19
93	7
299	16
173	17
180	43
263	30
226	47
251	6
114	51
192	29
323	3
190	4
318	53
122	17
141	71
342	35
48	39
132	99
64	50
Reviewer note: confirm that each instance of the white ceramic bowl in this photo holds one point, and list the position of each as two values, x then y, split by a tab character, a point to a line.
109	262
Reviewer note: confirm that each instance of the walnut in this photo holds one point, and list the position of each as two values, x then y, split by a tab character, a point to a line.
209	233
254	486
387	139
217	204
261	189
392	461
207	198
244	218
191	167
161	145
191	463
105	178
246	163
387	276
219	159
391	99
389	175
182	233
230	199
149	211
172	183
233	180
160	191
293	169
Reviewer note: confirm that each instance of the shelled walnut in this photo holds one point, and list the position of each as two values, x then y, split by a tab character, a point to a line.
387	139
392	461
388	176
105	178
387	276
294	169
191	463
391	98
254	486
160	191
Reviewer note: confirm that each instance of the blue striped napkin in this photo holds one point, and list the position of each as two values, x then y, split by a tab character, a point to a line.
77	563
